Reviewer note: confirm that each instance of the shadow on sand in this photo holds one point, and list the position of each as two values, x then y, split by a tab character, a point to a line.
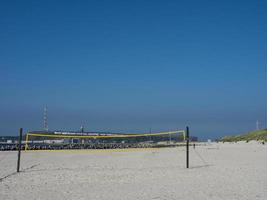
199	166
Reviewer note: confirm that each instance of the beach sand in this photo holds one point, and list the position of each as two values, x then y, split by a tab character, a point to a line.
217	171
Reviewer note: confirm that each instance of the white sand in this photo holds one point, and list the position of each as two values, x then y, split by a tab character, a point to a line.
228	171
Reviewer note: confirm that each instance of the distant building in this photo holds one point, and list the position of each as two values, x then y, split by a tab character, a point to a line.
8	139
193	139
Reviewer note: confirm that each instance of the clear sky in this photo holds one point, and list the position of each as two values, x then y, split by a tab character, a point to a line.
133	65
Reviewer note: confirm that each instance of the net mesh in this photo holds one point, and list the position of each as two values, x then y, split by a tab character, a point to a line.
43	141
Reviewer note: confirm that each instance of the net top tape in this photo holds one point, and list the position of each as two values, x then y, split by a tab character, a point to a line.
105	136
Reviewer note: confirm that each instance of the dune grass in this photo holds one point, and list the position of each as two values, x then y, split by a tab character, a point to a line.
254	135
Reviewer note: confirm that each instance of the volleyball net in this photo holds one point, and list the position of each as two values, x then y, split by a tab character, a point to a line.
63	140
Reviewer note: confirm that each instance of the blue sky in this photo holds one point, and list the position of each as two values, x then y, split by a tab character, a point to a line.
134	65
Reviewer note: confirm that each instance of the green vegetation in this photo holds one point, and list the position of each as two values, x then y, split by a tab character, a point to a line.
254	135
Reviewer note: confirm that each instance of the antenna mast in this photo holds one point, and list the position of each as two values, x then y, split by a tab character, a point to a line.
257	125
45	119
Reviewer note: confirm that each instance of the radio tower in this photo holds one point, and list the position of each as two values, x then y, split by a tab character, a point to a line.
45	119
257	125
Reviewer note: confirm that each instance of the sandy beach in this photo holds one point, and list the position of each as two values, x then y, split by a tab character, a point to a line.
217	171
